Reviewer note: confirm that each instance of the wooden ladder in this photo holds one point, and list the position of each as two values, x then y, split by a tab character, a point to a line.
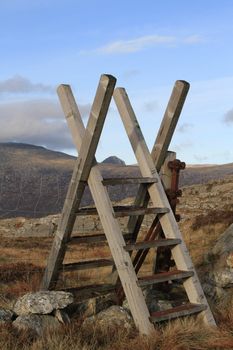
86	171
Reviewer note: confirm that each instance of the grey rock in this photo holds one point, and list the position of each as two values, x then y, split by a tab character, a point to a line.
6	316
36	323
91	305
224	245
156	300
62	316
114	316
43	302
224	278
218	283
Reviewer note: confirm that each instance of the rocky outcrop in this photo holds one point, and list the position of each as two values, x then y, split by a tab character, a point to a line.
43	302
219	282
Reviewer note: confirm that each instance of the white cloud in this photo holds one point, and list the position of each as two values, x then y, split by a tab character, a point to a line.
39	122
19	84
134	45
143	42
193	39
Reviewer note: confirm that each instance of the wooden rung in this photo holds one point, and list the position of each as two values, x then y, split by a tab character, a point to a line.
152	244
124	210
89	264
93	238
164	277
93	289
178	311
132	210
129	181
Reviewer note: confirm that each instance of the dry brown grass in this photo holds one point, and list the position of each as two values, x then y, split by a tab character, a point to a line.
185	334
213	217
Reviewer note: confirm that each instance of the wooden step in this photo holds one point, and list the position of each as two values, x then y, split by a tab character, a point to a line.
164	277
91	290
130	211
152	244
93	238
124	210
129	181
178	311
88	264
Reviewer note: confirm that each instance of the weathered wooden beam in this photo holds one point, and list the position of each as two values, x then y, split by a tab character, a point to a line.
129	181
124	210
80	175
86	265
152	244
178	311
97	238
164	277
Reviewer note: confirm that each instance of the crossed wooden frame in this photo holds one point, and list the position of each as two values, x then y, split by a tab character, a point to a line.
86	171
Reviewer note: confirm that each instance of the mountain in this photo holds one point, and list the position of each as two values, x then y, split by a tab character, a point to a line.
113	160
34	180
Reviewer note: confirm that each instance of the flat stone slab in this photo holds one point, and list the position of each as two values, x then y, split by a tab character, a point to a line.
43	302
36	323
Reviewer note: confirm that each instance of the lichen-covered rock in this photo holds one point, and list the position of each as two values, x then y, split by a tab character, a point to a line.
43	302
6	316
36	323
219	282
114	316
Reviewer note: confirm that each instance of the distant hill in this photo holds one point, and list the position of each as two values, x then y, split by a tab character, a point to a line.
113	160
34	180
202	174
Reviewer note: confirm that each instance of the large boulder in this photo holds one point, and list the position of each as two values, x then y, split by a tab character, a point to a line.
218	282
36	323
43	302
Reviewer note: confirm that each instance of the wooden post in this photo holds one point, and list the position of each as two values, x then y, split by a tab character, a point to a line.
165	172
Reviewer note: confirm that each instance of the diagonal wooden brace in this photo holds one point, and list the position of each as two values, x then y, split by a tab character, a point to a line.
80	176
162	142
110	224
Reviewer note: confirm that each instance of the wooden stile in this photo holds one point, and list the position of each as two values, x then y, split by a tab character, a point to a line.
86	171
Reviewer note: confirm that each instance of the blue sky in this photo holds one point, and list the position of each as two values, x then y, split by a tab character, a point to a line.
146	45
